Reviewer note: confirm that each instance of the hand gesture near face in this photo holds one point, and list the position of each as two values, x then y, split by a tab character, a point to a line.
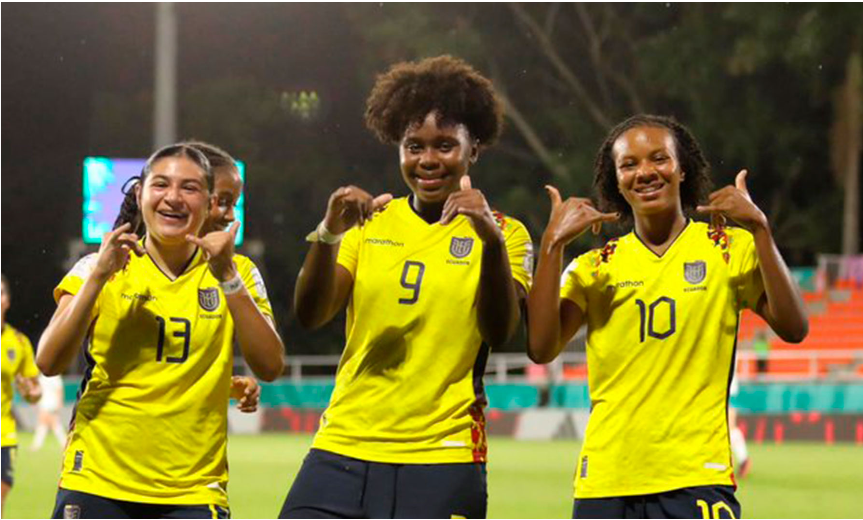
247	392
114	252
28	388
735	203
572	217
218	248
350	206
472	204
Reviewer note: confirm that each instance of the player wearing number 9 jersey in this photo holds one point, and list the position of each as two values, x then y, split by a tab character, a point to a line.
661	305
158	315
431	282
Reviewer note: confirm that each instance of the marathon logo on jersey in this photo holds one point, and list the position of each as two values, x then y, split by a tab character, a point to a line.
208	299
70	511
79	461
10	353
584	467
460	247
695	272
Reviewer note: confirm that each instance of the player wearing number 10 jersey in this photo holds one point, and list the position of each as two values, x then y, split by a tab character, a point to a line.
661	305
431	282
158	316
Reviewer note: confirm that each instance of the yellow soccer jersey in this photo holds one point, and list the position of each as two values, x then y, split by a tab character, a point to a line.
150	424
409	385
661	337
17	360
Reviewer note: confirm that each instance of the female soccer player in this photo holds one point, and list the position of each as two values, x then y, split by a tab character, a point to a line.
158	315
431	282
18	366
661	306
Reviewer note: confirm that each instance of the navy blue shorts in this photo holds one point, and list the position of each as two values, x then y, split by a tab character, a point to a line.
75	504
693	502
9	465
333	486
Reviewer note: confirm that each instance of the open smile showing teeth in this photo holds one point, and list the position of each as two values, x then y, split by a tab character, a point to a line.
173	216
431	182
652	188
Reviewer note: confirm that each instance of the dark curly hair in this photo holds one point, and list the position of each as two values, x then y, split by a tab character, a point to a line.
448	86
129	210
695	186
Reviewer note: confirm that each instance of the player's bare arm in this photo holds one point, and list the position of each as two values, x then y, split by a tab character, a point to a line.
783	307
64	335
553	322
260	343
322	287
498	295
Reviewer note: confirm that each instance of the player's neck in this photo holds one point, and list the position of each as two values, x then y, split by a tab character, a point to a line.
431	213
171	259
659	231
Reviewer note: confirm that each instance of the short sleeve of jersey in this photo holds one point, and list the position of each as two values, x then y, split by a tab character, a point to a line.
576	279
254	283
745	269
519	248
28	364
349	251
74	279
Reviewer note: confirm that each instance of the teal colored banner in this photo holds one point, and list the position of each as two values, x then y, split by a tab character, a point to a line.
753	398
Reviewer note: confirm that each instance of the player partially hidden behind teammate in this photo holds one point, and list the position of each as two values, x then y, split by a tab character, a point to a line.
661	306
158	314
431	281
18	367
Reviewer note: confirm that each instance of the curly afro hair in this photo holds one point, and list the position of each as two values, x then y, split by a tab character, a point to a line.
448	86
695	186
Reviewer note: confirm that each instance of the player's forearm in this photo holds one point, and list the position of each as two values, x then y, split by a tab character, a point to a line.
260	343
67	331
315	292
498	302
784	311
543	307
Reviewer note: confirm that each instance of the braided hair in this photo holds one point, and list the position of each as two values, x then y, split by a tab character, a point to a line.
693	189
129	210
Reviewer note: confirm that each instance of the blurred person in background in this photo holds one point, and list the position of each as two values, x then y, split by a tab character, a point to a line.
761	347
49	407
18	368
431	282
661	305
159	313
738	440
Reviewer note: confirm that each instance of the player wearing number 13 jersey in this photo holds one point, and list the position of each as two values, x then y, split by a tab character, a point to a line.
158	317
431	281
661	305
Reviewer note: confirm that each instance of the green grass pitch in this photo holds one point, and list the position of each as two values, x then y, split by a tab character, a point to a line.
526	479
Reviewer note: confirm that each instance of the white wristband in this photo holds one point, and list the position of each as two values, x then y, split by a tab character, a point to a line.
322	234
232	286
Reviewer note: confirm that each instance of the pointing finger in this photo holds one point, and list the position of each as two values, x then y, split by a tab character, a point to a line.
554	195
464	183
740	181
381	201
234	228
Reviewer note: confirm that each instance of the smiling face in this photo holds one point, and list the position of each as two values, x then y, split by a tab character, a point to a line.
434	158
174	200
228	187
648	171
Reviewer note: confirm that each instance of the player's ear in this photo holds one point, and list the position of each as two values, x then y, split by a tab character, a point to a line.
474	152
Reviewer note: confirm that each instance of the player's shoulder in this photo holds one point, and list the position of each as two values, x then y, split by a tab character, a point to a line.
507	223
84	266
728	239
244	263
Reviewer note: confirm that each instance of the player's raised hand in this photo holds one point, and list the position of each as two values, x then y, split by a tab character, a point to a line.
471	203
218	247
735	203
247	392
350	206
114	251
571	217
